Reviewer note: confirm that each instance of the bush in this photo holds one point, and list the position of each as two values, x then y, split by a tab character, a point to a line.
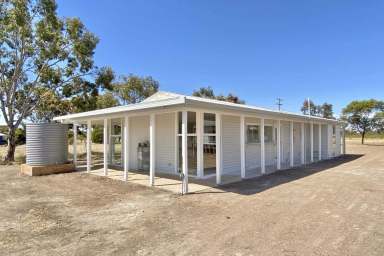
20	136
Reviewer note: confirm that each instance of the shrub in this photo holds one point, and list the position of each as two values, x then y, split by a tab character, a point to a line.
20	136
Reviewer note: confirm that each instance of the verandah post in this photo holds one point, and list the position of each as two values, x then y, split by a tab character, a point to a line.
74	145
105	146
262	143
89	147
218	149
242	145
152	150
184	146
278	145
126	147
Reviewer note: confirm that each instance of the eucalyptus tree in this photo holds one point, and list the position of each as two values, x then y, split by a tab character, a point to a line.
204	92
363	116
208	93
327	110
310	108
133	89
40	54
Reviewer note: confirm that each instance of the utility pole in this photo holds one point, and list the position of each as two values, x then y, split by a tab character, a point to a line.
279	103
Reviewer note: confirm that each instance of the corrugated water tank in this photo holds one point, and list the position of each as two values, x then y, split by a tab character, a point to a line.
47	144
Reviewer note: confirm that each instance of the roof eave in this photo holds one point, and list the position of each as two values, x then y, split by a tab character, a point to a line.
122	109
254	110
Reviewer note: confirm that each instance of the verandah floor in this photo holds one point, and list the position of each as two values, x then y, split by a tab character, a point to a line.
164	181
171	182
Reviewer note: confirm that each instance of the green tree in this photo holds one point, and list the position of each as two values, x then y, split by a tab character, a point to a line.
39	51
230	98
106	100
309	108
208	93
50	105
204	92
326	110
379	121
133	89
361	116
84	93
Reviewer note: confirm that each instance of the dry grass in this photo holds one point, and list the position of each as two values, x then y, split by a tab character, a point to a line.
369	141
97	152
19	154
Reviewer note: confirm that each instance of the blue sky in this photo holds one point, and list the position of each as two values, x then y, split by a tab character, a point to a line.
260	50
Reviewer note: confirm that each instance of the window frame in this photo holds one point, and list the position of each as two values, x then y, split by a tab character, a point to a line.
259	135
246	132
179	118
272	135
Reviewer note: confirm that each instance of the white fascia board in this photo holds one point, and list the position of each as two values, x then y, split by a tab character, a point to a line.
195	102
244	109
122	109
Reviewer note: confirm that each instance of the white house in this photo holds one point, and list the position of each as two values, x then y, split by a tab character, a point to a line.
204	137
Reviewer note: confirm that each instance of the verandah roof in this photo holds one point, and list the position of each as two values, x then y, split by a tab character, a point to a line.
161	100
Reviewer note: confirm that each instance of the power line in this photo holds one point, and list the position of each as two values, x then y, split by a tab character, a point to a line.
279	103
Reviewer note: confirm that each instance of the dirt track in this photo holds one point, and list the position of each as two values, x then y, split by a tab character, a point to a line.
330	208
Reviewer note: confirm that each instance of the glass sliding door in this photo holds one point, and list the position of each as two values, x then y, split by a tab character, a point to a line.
208	140
116	142
191	143
192	155
209	144
179	153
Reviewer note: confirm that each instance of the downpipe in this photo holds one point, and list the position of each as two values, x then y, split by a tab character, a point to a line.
182	179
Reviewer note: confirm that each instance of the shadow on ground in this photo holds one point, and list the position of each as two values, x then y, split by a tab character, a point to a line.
260	184
253	185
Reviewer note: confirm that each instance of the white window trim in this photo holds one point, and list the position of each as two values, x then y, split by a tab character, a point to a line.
246	134
205	176
189	134
257	143
273	131
203	124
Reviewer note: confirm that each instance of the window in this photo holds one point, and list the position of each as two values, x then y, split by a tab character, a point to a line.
209	123
268	134
208	140
191	122
191	142
179	122
253	133
209	144
191	126
211	140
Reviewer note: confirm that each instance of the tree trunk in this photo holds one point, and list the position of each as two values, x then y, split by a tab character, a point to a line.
10	157
362	137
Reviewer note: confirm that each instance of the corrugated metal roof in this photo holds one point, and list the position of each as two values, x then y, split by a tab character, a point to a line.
162	99
126	108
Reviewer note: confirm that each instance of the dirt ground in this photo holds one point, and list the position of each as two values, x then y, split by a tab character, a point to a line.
334	207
